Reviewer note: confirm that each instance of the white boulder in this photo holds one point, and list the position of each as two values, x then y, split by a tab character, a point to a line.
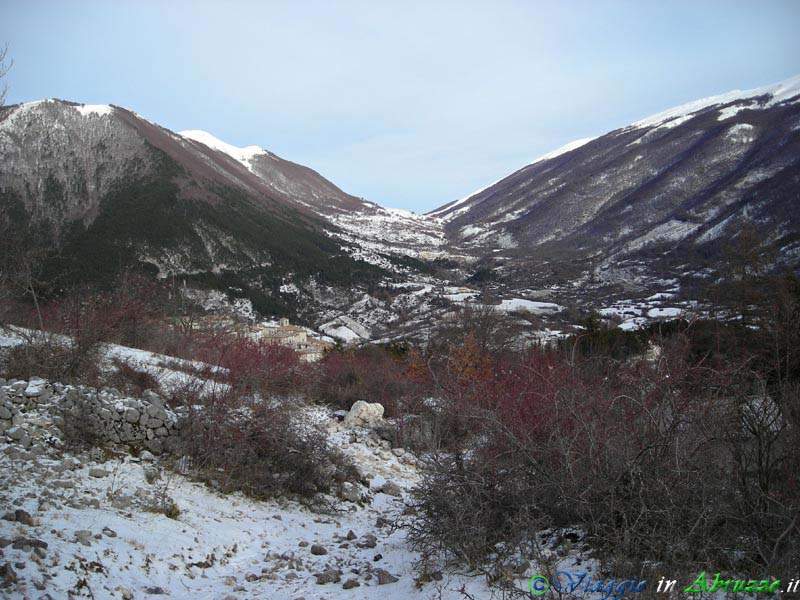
364	414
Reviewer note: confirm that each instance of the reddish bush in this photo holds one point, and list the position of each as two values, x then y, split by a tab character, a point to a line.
631	452
371	374
251	366
259	447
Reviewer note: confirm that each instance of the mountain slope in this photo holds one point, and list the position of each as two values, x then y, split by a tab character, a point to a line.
373	228
105	188
687	176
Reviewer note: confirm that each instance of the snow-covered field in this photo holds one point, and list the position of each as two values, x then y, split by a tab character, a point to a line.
98	531
87	525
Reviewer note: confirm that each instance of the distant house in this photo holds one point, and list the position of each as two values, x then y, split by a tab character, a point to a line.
291	336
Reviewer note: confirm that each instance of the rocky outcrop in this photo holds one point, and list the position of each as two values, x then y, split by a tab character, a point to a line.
37	412
364	414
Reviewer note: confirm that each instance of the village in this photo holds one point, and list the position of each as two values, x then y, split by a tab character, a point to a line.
309	345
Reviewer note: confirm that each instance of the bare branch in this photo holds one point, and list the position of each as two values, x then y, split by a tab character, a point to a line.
4	69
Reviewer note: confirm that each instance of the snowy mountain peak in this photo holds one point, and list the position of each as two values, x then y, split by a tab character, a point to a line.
787	91
779	92
243	155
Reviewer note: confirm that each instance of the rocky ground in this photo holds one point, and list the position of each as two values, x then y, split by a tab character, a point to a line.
107	524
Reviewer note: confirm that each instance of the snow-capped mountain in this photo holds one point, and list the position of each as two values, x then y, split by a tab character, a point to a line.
689	175
652	201
372	227
105	187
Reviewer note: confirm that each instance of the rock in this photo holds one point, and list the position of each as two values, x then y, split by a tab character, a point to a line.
351	535
108	532
5	413
98	472
23	516
83	537
408	459
35	388
350	584
132	415
155	590
385	577
151	474
125	593
364	414
318	550
7	575
367	540
390	488
154	444
16	433
377	557
23	543
153	398
328	576
251	577
349	492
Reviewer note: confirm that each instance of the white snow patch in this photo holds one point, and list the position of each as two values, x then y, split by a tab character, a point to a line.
671	311
569	147
102	110
741	132
519	304
243	155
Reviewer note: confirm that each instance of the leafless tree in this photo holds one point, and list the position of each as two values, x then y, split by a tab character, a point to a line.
5	67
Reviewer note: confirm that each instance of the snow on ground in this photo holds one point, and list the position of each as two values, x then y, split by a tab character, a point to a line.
447	213
657	313
569	147
341	332
172	374
346	329
518	304
633	324
101	530
461	296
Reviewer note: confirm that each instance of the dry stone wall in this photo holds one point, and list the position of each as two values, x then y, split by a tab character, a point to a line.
36	412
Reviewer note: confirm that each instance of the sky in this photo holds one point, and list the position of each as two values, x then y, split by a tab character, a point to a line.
408	104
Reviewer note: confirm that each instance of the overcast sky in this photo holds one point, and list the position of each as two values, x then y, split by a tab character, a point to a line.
409	104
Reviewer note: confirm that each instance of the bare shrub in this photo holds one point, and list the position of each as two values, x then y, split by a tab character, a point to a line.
260	448
130	380
670	460
54	359
250	366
